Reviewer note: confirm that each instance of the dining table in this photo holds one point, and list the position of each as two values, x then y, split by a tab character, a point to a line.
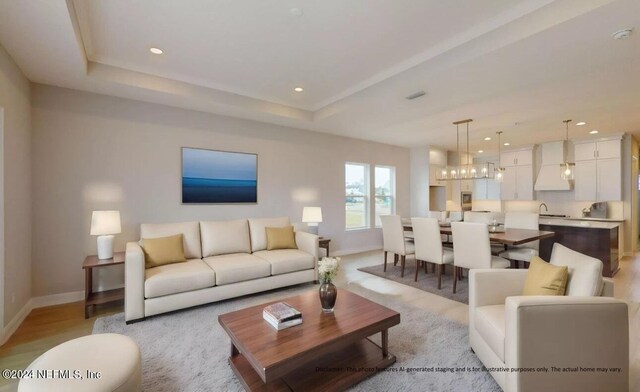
502	235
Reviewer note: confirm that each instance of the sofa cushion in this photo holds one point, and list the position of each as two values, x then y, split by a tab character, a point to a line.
225	237
545	279
176	278
257	228
163	250
286	260
489	323
190	231
238	267
585	272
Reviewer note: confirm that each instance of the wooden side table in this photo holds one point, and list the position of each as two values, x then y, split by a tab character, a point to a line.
101	297
324	243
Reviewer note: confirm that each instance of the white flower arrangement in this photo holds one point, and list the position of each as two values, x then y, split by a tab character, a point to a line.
328	268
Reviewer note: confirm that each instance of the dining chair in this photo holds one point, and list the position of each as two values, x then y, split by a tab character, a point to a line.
428	246
472	249
395	242
455	216
438	215
479	217
524	253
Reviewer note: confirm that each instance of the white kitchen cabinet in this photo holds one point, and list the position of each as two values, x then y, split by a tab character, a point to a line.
586	185
486	189
603	149
516	158
518	176
598	172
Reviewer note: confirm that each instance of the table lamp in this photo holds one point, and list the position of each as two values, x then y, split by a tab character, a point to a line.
312	216
105	224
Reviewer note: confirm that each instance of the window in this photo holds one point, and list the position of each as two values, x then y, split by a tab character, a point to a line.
384	192
356	178
358	189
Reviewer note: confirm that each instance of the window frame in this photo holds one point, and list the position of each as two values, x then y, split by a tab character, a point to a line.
392	196
366	196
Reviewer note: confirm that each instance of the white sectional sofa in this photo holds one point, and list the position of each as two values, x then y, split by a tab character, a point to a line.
225	259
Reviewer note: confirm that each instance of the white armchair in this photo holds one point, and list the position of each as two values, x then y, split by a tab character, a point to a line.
508	331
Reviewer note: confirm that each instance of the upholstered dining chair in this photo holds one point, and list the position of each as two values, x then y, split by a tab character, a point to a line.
455	216
395	242
438	215
428	246
471	249
521	220
479	217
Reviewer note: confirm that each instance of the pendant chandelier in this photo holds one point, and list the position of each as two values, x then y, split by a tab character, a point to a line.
499	175
567	167
467	170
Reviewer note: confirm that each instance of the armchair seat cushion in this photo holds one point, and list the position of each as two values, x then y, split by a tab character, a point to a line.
286	260
177	278
520	254
238	267
490	324
499	262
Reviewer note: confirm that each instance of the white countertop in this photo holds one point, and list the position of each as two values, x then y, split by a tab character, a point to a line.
579	222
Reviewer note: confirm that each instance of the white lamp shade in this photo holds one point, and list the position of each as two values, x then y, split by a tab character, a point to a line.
312	215
105	222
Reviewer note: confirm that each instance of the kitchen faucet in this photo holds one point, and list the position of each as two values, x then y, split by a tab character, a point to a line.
545	208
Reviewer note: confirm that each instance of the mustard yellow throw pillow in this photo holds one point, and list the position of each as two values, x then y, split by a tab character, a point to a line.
281	238
545	279
163	250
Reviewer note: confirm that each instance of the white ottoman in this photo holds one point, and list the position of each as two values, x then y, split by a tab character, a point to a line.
116	358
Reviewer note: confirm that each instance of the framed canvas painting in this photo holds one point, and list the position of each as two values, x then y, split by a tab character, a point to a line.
219	177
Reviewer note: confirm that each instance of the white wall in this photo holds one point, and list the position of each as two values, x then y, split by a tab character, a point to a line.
16	195
419	181
97	152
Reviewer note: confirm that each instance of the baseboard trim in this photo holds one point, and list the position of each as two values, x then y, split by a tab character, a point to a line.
38	302
57	299
345	252
16	321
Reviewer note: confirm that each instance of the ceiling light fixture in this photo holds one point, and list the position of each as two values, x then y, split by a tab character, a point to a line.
415	95
466	170
506	143
499	171
296	12
595	131
622	34
581	123
298	89
567	173
156	50
480	151
487	138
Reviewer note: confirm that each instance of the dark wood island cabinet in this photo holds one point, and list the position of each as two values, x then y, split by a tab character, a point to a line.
599	241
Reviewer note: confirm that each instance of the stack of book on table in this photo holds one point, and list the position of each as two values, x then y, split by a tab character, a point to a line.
281	315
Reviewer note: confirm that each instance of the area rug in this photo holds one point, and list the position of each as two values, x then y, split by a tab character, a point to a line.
188	350
426	282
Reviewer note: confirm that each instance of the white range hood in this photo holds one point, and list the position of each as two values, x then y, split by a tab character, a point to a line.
549	177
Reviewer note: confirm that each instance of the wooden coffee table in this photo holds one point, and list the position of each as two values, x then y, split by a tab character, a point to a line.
327	352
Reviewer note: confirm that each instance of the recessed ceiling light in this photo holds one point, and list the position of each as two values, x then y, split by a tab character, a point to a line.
296	12
622	34
480	151
593	132
581	123
156	50
507	144
298	89
487	138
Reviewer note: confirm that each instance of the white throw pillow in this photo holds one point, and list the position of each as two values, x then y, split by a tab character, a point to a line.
585	272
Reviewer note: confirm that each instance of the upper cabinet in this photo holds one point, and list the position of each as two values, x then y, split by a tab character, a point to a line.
517	183
598	172
597	150
516	158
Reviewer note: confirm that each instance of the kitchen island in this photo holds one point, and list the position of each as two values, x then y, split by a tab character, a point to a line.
597	239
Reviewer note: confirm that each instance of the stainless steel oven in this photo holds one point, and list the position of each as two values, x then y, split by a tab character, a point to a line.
466	200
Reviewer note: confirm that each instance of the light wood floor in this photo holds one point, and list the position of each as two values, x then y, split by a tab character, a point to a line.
45	328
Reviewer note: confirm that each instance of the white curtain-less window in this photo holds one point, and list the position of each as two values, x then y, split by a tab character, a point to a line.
385	189
356	177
